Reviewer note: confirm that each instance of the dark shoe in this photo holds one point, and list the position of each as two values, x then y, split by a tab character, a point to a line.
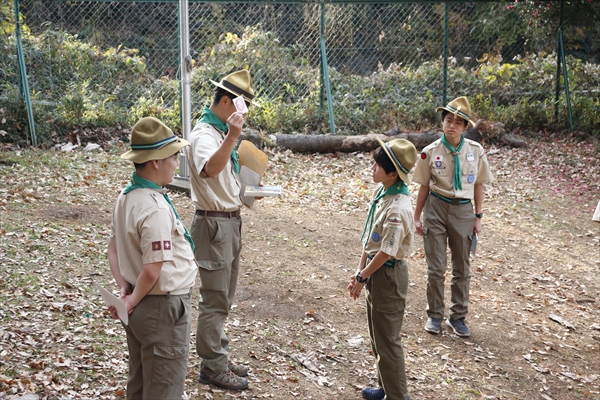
434	325
225	380
238	369
459	327
373	393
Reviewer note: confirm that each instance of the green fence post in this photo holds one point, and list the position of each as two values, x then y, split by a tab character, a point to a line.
23	72
326	70
445	90
558	60
566	77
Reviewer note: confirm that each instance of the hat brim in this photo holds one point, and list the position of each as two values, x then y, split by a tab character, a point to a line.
470	121
401	173
142	156
217	84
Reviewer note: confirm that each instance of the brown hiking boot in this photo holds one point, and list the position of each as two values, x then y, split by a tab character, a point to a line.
225	379
238	369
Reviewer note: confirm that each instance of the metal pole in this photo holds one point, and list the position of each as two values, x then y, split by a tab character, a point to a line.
566	77
558	61
23	73
445	90
326	71
186	72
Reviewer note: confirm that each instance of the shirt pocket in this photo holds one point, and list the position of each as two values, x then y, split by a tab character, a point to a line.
469	173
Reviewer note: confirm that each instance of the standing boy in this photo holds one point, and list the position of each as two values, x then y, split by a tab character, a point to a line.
217	225
387	240
151	258
451	171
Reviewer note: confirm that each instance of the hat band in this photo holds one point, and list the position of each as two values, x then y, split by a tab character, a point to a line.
154	146
402	168
457	111
234	88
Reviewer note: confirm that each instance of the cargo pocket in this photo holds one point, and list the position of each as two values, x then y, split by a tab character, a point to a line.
169	364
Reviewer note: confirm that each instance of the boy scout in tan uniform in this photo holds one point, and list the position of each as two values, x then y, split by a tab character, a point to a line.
151	258
217	225
451	171
387	240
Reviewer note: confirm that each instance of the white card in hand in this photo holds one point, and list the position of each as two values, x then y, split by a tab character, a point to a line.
240	104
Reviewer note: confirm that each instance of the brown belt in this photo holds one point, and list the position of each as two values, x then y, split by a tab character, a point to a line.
219	214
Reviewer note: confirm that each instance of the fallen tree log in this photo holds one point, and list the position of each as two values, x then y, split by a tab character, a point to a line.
350	144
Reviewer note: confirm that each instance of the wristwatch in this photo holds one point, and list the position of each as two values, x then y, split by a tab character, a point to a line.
360	279
480	215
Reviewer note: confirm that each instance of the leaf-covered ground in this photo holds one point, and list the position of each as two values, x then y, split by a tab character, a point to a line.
534	317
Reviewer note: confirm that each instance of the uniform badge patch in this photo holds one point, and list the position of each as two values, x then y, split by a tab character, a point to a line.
375	237
167	244
471	178
470	157
438	164
156	246
394	220
423	156
439	158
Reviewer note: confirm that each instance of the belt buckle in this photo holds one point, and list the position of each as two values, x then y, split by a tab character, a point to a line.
456	202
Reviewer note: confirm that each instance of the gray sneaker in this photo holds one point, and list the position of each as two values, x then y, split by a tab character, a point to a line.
225	380
459	327
434	325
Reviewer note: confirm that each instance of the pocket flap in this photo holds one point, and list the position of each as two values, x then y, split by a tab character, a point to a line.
210	264
170	352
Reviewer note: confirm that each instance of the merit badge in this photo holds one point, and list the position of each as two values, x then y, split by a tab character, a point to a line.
167	244
423	156
470	157
471	178
156	246
375	237
438	164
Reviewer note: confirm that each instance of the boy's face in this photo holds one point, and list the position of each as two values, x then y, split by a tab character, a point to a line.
380	176
453	126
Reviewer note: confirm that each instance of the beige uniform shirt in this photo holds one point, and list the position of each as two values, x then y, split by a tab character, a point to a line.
393	228
435	169
211	194
145	230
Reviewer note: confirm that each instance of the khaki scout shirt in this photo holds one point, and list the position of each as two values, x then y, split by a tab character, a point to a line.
435	169
211	194
393	228
145	230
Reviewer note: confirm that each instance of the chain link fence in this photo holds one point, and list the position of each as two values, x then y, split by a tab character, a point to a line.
109	63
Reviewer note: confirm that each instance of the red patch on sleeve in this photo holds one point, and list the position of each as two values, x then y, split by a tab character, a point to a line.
167	245
156	246
423	156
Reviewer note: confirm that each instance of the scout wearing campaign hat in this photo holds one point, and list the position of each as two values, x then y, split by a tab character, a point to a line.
403	155
460	107
238	83
152	140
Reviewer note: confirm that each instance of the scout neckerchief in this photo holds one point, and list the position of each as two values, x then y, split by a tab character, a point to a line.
455	153
138	182
210	117
397	188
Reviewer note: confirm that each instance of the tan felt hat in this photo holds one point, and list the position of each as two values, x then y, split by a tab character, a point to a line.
460	107
152	140
238	83
403	154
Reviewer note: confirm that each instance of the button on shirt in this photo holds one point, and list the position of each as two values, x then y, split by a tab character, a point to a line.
145	230
212	194
435	168
393	227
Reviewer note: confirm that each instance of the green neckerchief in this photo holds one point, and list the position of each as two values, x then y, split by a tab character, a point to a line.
210	117
396	188
455	153
137	182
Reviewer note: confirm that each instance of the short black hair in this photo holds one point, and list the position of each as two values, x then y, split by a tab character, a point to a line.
220	92
446	112
381	158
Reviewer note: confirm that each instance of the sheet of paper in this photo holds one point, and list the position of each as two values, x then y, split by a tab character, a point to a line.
240	104
474	244
248	177
113	300
262	191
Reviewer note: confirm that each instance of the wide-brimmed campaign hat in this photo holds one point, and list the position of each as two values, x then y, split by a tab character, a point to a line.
238	83
152	140
460	107
403	155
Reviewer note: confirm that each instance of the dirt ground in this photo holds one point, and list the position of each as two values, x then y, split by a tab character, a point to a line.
535	288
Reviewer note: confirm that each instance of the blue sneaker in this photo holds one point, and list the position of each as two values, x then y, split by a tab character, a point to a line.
373	393
459	327
434	325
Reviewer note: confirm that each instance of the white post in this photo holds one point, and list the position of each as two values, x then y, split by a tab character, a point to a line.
186	72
